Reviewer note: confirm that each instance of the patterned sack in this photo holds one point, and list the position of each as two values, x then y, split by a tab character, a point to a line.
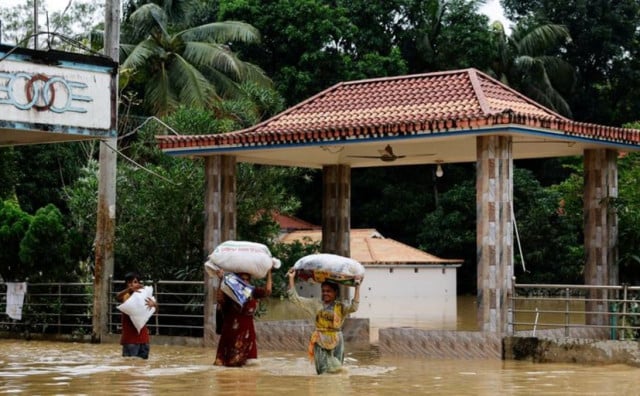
237	289
324	266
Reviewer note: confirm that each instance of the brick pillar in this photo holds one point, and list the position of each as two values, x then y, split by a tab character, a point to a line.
336	209
600	228
494	200
220	225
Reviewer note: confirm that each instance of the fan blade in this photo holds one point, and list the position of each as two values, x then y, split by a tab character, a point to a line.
387	151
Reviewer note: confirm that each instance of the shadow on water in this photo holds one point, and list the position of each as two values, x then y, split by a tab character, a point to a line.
38	367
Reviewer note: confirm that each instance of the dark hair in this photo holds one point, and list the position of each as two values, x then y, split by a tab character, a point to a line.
129	276
332	285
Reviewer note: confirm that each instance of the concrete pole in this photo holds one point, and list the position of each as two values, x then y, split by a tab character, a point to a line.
494	225
35	24
600	230
336	213
106	214
220	225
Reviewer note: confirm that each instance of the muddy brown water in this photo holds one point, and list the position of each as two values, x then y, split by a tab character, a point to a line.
58	368
54	368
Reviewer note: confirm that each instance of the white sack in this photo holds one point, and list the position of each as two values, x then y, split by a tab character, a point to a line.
136	307
325	266
241	256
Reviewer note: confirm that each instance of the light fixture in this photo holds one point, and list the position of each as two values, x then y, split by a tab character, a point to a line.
439	171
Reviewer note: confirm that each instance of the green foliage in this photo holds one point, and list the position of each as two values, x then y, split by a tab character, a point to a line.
548	221
303	58
628	210
376	193
35	248
9	172
523	61
449	231
14	224
44	250
445	35
549	234
160	222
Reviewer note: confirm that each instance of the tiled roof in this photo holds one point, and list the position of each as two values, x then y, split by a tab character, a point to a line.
459	100
370	248
287	222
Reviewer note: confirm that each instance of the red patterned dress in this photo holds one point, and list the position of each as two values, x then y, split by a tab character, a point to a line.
238	339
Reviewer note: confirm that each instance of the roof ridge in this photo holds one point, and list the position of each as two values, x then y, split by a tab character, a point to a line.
520	95
370	249
406	76
479	93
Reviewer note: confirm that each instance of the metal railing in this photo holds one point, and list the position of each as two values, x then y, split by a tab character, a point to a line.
67	308
611	311
180	308
58	308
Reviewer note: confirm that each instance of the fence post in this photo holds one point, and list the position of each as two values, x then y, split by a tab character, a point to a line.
511	309
156	316
110	305
59	307
624	310
567	309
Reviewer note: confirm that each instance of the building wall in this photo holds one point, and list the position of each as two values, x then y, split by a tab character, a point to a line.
403	296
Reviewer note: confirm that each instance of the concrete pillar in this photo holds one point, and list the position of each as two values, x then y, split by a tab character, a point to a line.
220	226
494	200
600	228
336	209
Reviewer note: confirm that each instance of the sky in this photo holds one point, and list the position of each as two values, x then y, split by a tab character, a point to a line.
53	5
493	10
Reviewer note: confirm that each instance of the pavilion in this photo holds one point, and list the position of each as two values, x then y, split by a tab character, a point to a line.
436	118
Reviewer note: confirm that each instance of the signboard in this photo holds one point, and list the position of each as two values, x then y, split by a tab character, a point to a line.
52	96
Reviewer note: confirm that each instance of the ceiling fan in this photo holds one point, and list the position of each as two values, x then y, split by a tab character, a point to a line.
386	155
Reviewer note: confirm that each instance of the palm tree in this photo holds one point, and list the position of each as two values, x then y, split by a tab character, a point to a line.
193	67
522	62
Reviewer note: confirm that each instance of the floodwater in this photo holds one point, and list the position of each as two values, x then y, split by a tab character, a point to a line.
428	315
55	368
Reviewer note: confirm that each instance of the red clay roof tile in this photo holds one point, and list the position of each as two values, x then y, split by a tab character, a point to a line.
370	248
424	103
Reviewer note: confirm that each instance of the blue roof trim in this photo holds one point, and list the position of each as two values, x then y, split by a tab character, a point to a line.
510	129
58	129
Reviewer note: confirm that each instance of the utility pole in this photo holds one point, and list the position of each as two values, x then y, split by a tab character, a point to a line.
106	215
35	24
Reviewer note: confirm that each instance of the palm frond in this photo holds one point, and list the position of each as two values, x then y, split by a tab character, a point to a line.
159	95
193	88
253	73
216	56
222	32
225	87
141	54
541	38
147	19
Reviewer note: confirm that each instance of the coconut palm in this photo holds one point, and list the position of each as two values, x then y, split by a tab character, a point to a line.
522	61
193	67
